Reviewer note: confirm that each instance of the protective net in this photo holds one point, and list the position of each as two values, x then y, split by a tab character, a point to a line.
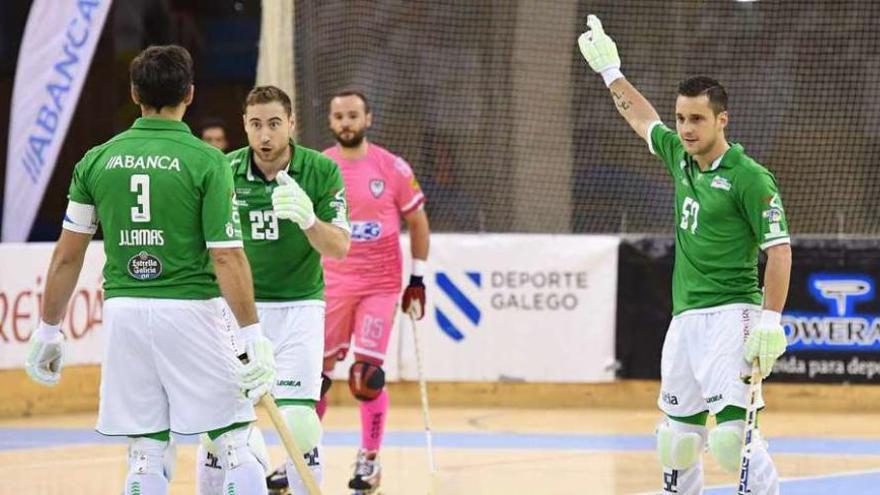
509	130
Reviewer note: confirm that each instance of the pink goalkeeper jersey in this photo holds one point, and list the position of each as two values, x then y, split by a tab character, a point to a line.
380	189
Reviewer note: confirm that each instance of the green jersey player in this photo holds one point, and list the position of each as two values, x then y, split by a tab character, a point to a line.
727	207
293	211
164	200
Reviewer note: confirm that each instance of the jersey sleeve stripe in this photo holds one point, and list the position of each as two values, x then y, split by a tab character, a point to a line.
413	204
224	244
775	242
650	141
79	229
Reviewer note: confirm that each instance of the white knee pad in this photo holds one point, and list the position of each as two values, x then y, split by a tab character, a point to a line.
240	445
304	424
725	444
679	445
148	456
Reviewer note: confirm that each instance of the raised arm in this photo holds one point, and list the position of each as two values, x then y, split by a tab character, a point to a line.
600	52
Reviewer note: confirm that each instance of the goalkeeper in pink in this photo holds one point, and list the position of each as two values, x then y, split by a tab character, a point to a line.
362	290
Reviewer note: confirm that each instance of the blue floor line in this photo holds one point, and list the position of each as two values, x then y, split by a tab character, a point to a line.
23	438
849	484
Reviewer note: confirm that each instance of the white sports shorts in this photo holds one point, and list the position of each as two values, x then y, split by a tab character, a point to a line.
168	364
296	330
702	366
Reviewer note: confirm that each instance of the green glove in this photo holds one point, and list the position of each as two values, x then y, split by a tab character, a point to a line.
45	357
766	342
258	371
600	51
292	203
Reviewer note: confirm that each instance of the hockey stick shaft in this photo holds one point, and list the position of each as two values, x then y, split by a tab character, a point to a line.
749	431
423	392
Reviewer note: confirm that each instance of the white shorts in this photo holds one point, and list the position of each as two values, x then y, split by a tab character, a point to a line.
168	364
702	366
296	330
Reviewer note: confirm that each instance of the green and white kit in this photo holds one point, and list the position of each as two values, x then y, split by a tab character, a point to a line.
287	272
162	198
723	216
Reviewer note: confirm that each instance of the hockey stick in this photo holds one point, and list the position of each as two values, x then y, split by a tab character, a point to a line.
289	443
423	391
749	431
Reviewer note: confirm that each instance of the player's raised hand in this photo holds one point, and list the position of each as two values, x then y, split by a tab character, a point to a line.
46	356
766	342
258	371
413	301
600	51
290	202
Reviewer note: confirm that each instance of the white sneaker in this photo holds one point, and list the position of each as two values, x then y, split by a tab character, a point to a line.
367	472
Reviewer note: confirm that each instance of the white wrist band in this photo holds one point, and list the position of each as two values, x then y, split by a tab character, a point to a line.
46	332
419	267
251	332
770	318
611	74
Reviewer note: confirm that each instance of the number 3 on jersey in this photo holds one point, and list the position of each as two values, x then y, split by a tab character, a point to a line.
140	185
690	210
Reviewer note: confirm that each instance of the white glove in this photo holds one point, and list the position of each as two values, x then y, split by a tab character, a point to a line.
292	203
258	371
766	342
600	51
45	357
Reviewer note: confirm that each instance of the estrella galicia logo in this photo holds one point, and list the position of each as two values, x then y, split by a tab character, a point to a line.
842	327
144	266
456	310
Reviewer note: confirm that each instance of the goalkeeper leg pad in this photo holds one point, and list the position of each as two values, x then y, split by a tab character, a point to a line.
679	445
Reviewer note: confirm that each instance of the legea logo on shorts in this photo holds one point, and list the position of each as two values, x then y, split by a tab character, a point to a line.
455	310
842	327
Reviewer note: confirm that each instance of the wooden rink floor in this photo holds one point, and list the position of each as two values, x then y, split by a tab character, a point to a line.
479	451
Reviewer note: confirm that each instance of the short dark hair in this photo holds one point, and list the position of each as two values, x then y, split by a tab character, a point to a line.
354	92
267	94
210	123
162	75
702	85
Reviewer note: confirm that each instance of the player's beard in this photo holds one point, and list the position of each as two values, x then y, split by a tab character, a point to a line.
357	137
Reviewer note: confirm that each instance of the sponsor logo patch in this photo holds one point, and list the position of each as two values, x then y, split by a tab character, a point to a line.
144	266
720	183
365	231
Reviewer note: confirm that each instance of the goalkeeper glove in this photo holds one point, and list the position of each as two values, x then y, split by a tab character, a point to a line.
45	357
766	342
292	203
258	373
600	51
413	301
